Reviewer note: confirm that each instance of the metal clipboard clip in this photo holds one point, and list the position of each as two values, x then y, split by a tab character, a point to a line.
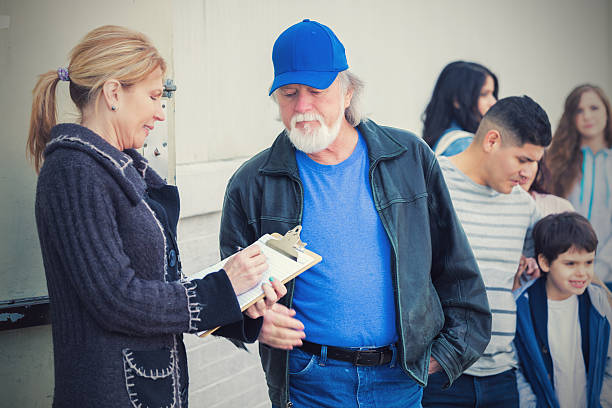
289	244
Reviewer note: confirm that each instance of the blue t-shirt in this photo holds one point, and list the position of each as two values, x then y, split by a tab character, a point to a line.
347	300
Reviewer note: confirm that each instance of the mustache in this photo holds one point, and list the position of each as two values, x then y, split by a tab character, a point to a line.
306	117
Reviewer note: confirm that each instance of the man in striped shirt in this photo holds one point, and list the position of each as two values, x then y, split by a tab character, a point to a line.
497	215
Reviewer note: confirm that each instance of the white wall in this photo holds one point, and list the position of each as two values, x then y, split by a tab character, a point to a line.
223	113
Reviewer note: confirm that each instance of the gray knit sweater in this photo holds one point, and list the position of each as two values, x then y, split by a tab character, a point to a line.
117	318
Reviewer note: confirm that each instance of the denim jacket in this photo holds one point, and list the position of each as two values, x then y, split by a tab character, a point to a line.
453	141
441	303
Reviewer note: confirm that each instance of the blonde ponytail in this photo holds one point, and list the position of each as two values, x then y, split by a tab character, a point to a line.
107	52
43	117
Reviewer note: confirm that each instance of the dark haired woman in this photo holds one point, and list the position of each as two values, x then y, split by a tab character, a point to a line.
536	187
463	93
580	161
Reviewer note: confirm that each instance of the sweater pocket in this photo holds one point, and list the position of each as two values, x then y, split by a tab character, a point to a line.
149	378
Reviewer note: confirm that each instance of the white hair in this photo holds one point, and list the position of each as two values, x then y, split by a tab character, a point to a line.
354	112
348	81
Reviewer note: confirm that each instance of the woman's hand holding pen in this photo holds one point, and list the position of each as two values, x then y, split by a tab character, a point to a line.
245	269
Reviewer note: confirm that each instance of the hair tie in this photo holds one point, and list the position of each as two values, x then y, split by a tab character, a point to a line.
62	74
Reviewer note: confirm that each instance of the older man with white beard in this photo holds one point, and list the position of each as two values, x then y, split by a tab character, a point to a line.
398	294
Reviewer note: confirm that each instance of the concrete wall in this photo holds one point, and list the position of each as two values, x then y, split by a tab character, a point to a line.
223	54
219	52
220	374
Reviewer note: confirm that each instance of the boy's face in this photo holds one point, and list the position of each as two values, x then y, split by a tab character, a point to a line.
569	274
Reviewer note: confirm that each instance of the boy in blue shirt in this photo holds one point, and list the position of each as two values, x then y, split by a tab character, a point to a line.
563	321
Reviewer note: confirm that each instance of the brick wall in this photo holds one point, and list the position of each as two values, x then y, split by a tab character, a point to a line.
220	375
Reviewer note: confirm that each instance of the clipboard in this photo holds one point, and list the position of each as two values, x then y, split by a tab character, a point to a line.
287	258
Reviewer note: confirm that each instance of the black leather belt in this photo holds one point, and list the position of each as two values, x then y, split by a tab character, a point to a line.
368	357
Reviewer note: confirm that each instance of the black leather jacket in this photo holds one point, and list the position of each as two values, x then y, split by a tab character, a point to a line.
440	298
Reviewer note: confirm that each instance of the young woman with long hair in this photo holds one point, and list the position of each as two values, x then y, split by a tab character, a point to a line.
463	93
580	162
536	186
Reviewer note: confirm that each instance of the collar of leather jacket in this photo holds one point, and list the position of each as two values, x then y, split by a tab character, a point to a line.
381	145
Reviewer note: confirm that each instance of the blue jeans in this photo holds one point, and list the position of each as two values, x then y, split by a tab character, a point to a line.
496	391
316	381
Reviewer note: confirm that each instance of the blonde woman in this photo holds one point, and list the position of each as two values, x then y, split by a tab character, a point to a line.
107	228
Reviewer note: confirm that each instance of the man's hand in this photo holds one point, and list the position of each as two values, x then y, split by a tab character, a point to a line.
528	267
280	330
433	366
273	291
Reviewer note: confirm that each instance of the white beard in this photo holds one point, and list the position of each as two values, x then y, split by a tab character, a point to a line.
311	139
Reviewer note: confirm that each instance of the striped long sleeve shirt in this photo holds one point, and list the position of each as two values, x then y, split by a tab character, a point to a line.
498	227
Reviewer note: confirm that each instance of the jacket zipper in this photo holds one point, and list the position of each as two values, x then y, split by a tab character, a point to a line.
596	366
393	275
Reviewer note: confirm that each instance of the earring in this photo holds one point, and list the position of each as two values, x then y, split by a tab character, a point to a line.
113	108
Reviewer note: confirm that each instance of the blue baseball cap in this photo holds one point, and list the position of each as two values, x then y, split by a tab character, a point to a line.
307	53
